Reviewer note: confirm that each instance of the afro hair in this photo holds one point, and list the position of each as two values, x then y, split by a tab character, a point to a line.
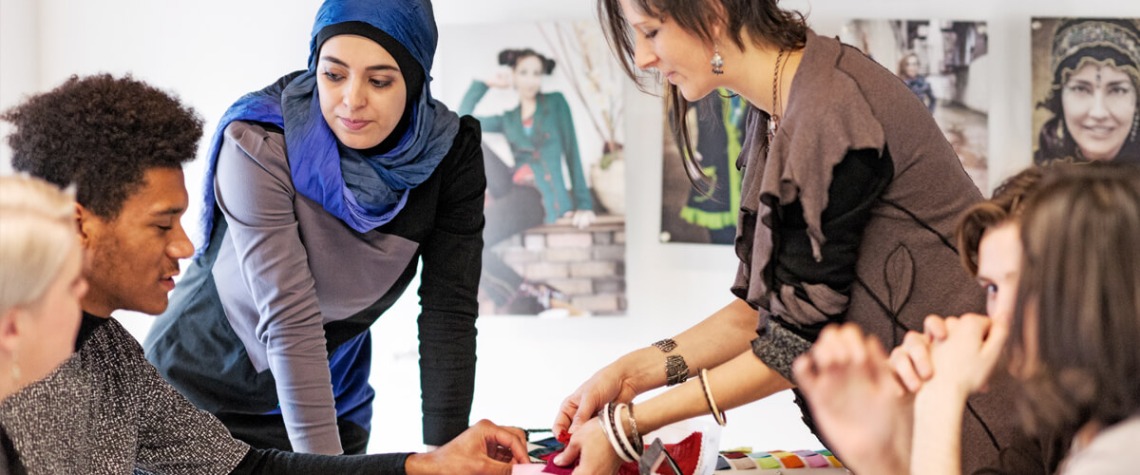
102	134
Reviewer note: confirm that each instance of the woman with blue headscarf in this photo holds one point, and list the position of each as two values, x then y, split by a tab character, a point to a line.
324	191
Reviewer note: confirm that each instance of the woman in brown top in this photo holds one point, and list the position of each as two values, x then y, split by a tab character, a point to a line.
848	204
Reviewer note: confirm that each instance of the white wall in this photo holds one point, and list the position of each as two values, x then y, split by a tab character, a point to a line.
19	61
211	51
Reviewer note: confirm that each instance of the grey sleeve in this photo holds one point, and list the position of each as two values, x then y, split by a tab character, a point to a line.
175	437
255	193
778	347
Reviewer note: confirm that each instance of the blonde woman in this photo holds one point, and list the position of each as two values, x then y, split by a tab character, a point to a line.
40	287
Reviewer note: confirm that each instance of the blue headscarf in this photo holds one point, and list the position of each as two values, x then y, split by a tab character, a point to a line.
316	159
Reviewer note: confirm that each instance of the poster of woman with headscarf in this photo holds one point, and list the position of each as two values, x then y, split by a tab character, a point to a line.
548	98
946	65
1085	83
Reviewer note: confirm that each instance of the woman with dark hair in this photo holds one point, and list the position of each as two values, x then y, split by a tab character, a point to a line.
1093	97
324	192
849	198
1078	316
908	71
541	135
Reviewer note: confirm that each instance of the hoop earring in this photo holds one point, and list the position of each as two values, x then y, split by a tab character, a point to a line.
717	61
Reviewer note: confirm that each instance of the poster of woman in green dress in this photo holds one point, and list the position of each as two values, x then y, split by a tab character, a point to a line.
548	98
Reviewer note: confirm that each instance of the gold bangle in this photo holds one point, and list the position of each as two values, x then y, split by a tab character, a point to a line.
716	413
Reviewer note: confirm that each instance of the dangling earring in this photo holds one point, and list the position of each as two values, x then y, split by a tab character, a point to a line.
1135	124
717	61
1061	130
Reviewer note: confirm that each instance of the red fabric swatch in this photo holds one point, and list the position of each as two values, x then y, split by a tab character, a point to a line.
686	453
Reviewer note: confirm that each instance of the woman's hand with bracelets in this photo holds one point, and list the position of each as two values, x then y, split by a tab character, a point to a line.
605	441
608	384
616	383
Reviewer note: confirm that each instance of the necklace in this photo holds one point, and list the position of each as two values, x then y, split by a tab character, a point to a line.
777	81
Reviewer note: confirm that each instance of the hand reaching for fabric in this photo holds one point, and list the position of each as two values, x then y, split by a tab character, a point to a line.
590	448
482	449
863	411
606	385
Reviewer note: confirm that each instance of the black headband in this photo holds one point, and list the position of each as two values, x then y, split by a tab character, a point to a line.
412	70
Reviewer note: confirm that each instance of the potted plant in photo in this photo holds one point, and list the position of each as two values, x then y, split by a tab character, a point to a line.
595	79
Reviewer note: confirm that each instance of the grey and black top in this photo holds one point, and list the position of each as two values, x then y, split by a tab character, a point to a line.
106	410
286	290
849	215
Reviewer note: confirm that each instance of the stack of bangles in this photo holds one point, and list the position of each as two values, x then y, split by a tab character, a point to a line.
628	447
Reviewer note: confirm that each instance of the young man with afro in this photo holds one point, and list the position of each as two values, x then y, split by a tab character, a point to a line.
122	143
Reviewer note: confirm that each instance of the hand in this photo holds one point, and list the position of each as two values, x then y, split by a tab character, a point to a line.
523	176
592	449
608	384
911	360
964	360
864	413
483	448
501	80
582	218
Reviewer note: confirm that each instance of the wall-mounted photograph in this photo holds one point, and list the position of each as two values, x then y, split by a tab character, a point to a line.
696	209
1086	73
947	66
548	98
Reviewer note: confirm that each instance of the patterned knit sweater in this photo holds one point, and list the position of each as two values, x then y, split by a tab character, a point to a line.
106	410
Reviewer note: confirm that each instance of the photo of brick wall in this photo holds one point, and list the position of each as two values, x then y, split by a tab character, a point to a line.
548	98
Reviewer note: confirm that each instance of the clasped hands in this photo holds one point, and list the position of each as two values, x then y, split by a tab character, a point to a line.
863	400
